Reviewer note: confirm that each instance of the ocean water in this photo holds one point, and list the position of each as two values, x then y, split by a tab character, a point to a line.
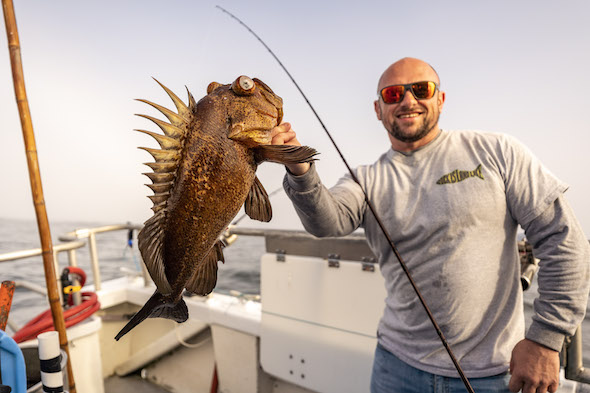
241	272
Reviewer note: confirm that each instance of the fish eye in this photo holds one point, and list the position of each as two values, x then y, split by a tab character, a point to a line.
246	83
243	86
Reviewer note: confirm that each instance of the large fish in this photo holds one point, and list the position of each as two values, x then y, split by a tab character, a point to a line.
202	175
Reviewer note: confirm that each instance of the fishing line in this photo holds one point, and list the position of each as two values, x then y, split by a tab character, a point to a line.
129	245
244	215
371	208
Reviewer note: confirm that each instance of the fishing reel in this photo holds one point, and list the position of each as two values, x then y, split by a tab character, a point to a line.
528	264
227	237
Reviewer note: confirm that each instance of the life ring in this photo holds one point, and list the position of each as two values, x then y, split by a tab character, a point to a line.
73	315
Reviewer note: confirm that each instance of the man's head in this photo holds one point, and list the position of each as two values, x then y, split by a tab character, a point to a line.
411	122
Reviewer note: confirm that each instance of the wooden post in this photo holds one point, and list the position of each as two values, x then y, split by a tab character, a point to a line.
35	179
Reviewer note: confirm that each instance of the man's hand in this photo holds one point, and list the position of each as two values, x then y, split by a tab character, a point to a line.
534	368
283	134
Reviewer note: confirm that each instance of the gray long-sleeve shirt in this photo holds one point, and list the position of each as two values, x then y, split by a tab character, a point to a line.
453	208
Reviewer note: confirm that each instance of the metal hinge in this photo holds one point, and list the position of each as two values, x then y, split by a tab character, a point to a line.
368	264
333	260
281	255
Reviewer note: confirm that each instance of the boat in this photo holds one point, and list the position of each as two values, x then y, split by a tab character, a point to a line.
306	331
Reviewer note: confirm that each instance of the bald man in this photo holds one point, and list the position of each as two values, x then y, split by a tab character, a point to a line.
452	202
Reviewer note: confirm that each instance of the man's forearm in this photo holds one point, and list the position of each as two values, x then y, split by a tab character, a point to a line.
324	212
564	270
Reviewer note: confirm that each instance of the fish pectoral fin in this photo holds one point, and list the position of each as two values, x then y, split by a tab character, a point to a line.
205	277
284	154
151	245
257	204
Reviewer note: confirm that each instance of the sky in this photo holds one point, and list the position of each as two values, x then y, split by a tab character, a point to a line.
515	67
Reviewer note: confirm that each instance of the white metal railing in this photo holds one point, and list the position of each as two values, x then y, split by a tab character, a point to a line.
69	247
90	234
72	243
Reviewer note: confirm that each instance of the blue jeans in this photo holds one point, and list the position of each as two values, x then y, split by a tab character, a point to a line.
391	375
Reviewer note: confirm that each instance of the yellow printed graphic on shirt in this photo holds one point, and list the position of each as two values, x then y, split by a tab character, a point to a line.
456	176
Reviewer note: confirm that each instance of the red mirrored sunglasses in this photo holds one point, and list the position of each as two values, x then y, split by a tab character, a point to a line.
421	91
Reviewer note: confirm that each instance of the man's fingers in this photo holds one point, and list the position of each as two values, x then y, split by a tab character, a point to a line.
518	384
284	138
281	128
541	388
515	384
283	134
553	388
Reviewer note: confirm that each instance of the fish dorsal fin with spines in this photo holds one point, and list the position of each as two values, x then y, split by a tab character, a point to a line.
167	159
257	205
204	278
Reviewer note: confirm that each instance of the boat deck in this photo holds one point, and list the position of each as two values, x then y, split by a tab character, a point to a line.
131	383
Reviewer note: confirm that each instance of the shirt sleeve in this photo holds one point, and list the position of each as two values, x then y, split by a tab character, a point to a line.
530	187
564	253
335	212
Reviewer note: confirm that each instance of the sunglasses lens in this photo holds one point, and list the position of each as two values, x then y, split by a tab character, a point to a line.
423	90
393	94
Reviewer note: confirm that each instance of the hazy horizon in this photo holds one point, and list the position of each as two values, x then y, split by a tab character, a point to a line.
515	68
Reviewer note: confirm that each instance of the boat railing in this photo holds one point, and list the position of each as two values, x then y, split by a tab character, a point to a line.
355	249
73	241
69	247
90	234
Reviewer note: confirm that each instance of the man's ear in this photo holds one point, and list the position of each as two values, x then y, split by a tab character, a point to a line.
441	99
378	109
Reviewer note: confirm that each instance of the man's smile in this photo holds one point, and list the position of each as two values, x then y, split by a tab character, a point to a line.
408	115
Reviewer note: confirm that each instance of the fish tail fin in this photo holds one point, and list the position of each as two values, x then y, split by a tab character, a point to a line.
478	172
156	307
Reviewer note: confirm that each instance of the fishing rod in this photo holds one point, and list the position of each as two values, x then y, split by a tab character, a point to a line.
371	208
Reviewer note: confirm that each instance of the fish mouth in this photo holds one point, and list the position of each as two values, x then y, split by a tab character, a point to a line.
272	98
278	116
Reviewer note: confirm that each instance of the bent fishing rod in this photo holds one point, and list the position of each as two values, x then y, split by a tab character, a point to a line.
370	206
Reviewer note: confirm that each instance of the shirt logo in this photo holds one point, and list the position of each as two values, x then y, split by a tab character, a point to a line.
456	176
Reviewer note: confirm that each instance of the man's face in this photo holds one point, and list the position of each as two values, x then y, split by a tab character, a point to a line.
410	120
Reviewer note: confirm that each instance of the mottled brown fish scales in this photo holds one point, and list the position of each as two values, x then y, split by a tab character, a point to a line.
204	173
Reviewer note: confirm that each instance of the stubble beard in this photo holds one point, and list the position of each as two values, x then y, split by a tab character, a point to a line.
424	129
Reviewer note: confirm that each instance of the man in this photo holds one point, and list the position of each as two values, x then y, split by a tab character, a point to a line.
452	202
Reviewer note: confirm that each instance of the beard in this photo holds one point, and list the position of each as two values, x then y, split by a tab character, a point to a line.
424	129
398	134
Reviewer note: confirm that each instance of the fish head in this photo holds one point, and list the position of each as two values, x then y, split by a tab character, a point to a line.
252	109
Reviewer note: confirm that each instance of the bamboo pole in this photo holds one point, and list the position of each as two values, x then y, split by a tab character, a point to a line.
35	179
